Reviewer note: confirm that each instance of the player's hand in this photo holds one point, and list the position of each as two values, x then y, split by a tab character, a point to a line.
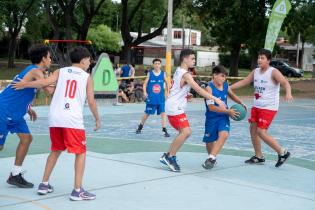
244	105
32	114
145	95
233	113
288	98
189	97
18	85
220	103
97	125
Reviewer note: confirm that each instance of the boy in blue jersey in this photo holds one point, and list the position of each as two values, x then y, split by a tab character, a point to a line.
217	125
153	93
15	104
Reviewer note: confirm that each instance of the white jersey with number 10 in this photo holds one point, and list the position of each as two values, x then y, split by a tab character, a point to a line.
66	108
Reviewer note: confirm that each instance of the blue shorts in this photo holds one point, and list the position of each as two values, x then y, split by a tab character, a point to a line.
213	127
151	108
13	126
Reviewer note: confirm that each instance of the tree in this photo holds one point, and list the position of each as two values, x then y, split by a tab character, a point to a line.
137	16
15	15
90	8
105	39
302	21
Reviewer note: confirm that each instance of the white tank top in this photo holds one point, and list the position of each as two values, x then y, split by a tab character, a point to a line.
266	92
66	108
176	101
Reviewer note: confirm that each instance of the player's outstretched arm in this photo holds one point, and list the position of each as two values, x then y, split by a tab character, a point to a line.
235	98
191	82
244	82
37	83
144	86
92	103
279	78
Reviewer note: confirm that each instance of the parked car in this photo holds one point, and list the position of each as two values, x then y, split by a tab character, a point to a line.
286	69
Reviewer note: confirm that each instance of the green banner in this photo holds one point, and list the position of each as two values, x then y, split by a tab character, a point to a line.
104	76
279	11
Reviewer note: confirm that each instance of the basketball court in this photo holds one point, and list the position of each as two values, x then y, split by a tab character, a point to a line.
124	171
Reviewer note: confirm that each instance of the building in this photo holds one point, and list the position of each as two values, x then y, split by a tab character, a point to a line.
181	38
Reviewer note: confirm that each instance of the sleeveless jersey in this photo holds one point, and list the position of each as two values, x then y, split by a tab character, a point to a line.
266	92
14	103
66	108
222	95
177	101
155	88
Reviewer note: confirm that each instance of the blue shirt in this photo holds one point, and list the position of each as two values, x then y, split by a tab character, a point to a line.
222	95
155	88
125	71
14	103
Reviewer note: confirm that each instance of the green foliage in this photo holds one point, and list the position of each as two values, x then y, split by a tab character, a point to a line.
302	20
244	61
105	39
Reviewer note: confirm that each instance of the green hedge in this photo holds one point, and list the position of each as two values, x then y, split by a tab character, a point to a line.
244	62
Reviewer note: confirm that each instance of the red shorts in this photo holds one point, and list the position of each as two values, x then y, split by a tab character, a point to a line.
262	117
68	138
178	121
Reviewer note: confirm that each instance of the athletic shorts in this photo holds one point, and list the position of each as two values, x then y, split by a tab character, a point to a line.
150	109
72	139
178	121
213	127
12	126
262	117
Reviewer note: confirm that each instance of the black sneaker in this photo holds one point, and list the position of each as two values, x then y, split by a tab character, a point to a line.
19	181
170	162
209	163
166	134
255	160
282	159
138	131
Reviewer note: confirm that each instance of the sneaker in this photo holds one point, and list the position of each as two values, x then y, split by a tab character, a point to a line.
81	195
43	189
138	131
170	162
209	163
162	158
255	160
166	134
19	181
283	158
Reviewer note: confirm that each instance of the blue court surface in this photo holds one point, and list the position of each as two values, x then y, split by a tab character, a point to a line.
124	171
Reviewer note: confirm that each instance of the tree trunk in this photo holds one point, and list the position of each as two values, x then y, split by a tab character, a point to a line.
11	51
235	56
127	53
301	56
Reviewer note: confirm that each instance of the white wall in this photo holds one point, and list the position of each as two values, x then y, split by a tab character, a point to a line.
206	58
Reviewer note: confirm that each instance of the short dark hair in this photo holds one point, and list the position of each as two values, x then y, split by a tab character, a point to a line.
185	53
219	69
37	52
78	53
156	59
266	53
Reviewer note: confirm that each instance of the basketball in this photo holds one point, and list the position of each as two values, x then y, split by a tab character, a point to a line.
241	110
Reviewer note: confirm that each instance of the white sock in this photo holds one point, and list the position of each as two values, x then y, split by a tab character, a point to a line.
212	157
16	170
78	190
45	183
283	151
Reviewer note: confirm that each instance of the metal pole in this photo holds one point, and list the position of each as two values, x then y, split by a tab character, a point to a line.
168	66
298	51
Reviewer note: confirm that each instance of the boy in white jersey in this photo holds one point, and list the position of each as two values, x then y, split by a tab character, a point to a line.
267	82
74	85
176	103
